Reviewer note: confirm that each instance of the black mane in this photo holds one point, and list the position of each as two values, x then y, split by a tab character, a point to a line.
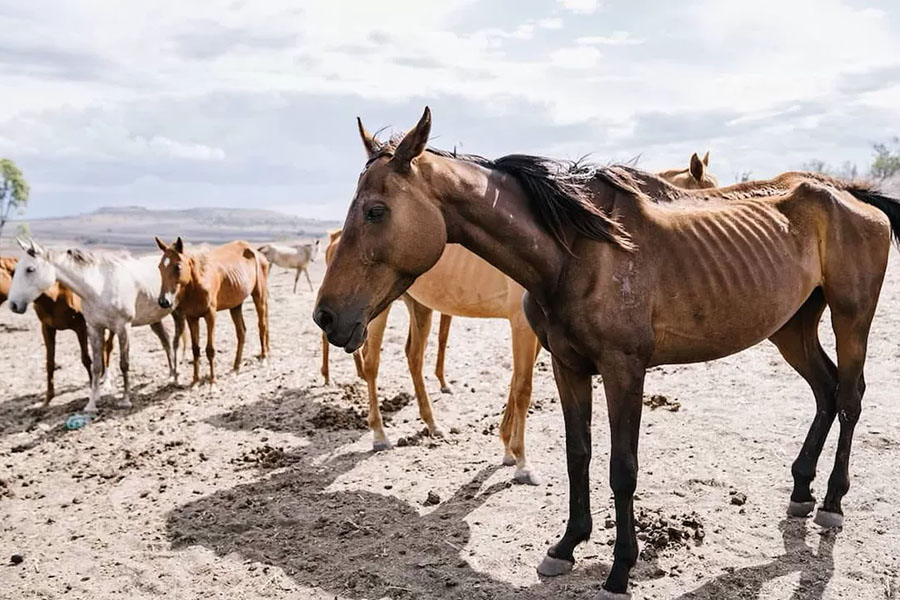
559	191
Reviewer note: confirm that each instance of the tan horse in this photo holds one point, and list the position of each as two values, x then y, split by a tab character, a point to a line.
460	284
58	309
624	272
695	177
200	283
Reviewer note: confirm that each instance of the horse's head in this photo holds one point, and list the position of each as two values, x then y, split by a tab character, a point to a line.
695	177
174	271
34	274
394	232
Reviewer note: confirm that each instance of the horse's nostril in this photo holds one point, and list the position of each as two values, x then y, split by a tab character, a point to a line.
324	318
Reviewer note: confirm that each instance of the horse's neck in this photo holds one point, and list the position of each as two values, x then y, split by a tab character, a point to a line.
74	276
488	212
197	286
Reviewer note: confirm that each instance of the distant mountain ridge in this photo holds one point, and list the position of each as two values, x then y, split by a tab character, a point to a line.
134	227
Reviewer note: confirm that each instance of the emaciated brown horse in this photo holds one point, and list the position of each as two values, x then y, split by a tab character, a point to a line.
202	282
619	280
58	309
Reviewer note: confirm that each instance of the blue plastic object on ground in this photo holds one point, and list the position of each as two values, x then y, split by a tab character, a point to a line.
77	421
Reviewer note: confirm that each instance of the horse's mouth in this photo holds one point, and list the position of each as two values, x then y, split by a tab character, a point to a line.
357	338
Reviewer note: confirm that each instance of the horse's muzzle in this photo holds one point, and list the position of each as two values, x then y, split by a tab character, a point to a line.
165	302
17	307
347	335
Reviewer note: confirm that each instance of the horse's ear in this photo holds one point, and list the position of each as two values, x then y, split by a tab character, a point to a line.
25	246
697	167
368	139
414	142
162	245
706	159
178	245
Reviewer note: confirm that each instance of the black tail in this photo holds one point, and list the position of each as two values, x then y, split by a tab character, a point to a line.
886	204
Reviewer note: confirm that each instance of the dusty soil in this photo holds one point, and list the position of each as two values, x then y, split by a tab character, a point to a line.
267	486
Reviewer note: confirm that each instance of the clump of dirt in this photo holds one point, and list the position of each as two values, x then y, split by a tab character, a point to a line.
659	401
351	393
660	533
266	457
417	439
392	405
5	490
335	419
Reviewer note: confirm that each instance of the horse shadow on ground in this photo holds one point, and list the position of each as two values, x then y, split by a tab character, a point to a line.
360	544
26	413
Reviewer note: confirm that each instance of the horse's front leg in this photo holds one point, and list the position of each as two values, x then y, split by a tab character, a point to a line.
623	381
50	347
575	396
95	336
210	318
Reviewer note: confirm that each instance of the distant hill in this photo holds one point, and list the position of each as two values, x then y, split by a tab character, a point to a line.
133	227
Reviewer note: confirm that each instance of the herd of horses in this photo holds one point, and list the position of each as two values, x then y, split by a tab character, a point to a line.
611	269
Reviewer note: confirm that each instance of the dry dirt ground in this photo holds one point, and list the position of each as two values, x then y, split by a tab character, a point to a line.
267	486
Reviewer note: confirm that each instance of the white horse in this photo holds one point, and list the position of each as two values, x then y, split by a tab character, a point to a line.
117	291
292	257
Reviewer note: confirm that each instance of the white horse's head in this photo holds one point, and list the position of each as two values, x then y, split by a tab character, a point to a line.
34	274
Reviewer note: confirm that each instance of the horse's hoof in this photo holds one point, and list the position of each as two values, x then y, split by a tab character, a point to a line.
124	403
509	461
828	520
606	595
800	509
437	432
90	409
379	445
527	476
552	567
446	390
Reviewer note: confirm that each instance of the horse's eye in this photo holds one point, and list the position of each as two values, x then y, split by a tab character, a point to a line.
376	213
29	270
178	268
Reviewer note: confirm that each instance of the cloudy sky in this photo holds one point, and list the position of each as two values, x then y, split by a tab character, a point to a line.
237	103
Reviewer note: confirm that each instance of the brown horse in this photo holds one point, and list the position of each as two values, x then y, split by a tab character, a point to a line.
58	309
620	280
461	284
202	282
695	177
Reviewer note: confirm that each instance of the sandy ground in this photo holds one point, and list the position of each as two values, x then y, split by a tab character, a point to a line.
267	487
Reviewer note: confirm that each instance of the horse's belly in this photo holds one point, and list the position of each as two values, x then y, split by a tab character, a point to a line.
717	330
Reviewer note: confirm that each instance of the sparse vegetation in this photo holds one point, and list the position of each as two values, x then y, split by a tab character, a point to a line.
14	191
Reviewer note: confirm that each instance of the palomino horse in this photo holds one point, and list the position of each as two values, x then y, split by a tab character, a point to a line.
292	257
460	284
116	292
695	177
618	281
202	282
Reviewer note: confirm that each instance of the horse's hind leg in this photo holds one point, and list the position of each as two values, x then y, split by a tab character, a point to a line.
124	344
443	334
798	342
261	302
49	334
296	278
371	359
240	329
419	326
308	280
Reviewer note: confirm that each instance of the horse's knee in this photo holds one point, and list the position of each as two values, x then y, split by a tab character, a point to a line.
210	352
623	475
195	348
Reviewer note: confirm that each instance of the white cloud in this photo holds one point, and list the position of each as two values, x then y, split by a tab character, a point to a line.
584	7
616	38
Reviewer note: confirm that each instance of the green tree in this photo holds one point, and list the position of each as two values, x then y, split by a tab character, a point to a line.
13	190
887	160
